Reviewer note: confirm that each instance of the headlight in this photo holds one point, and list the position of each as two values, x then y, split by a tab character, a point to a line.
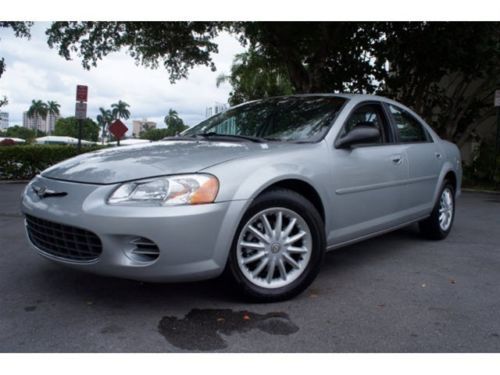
167	191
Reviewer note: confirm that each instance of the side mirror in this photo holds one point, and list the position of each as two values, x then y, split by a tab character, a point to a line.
358	135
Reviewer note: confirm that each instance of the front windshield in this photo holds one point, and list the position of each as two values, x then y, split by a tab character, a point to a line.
305	118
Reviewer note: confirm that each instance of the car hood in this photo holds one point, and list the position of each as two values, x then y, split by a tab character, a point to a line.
155	159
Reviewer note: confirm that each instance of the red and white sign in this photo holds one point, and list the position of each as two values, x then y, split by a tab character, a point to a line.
118	129
82	93
81	111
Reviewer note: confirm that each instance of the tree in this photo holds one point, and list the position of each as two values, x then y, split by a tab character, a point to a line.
69	127
21	132
174	123
38	110
22	30
52	109
178	46
445	71
254	77
104	119
155	134
119	110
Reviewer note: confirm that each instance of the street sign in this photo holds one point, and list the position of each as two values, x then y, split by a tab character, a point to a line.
82	93
118	129
81	111
497	98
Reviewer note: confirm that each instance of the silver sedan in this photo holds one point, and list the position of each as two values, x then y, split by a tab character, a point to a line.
258	192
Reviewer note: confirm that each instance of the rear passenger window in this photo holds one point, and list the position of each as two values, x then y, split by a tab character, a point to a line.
409	129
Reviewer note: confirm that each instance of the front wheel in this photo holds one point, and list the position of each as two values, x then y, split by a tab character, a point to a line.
438	225
279	246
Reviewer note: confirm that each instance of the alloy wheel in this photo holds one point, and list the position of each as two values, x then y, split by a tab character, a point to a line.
274	248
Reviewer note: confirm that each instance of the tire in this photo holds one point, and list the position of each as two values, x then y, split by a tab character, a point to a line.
287	279
437	228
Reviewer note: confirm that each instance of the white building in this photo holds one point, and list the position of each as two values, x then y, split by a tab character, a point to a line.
139	126
4	120
215	109
46	125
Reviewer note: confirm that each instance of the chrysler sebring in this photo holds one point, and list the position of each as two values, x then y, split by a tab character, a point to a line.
258	192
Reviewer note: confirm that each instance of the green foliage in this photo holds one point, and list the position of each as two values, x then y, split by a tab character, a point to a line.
480	171
119	110
178	46
174	123
156	134
38	110
254	77
104	119
320	56
53	108
446	71
21	132
69	127
26	161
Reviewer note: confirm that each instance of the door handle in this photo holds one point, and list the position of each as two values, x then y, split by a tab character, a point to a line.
396	159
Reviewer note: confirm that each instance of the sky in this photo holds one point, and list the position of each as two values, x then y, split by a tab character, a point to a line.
35	71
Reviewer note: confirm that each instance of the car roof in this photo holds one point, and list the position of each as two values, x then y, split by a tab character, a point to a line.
357	97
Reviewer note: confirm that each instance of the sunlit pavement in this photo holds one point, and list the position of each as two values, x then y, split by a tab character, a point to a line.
395	293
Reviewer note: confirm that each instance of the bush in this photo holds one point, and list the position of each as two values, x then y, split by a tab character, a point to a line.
22	162
480	171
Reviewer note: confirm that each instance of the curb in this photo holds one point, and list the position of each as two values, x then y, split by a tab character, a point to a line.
5	182
468	190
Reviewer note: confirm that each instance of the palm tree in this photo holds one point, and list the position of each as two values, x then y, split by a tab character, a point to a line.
174	123
104	119
37	110
119	110
52	110
253	76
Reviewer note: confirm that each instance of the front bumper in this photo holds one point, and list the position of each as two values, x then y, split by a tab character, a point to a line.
193	241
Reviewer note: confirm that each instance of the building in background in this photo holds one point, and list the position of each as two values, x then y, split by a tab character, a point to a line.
139	126
46	124
215	109
4	120
50	123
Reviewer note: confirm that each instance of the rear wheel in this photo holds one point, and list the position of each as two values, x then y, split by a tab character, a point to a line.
438	225
278	248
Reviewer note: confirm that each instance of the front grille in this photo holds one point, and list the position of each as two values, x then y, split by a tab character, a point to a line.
63	240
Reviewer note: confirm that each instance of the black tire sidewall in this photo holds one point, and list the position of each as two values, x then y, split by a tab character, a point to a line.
436	209
293	201
431	227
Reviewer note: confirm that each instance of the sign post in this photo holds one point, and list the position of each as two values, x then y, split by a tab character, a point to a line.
81	110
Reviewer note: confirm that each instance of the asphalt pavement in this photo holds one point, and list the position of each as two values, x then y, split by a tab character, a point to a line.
394	293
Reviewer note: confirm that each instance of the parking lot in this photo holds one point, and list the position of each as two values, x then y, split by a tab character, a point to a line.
394	293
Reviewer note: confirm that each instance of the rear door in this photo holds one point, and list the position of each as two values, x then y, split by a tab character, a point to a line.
424	161
368	181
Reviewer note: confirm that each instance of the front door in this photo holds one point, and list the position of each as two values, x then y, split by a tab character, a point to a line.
368	181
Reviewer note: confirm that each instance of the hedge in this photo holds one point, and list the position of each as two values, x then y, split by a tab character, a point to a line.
22	162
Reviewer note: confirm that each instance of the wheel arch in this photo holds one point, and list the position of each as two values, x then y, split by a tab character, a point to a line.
301	187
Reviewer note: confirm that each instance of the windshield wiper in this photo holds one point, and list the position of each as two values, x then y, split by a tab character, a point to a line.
236	136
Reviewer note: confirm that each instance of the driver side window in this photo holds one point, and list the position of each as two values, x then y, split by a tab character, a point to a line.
368	115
